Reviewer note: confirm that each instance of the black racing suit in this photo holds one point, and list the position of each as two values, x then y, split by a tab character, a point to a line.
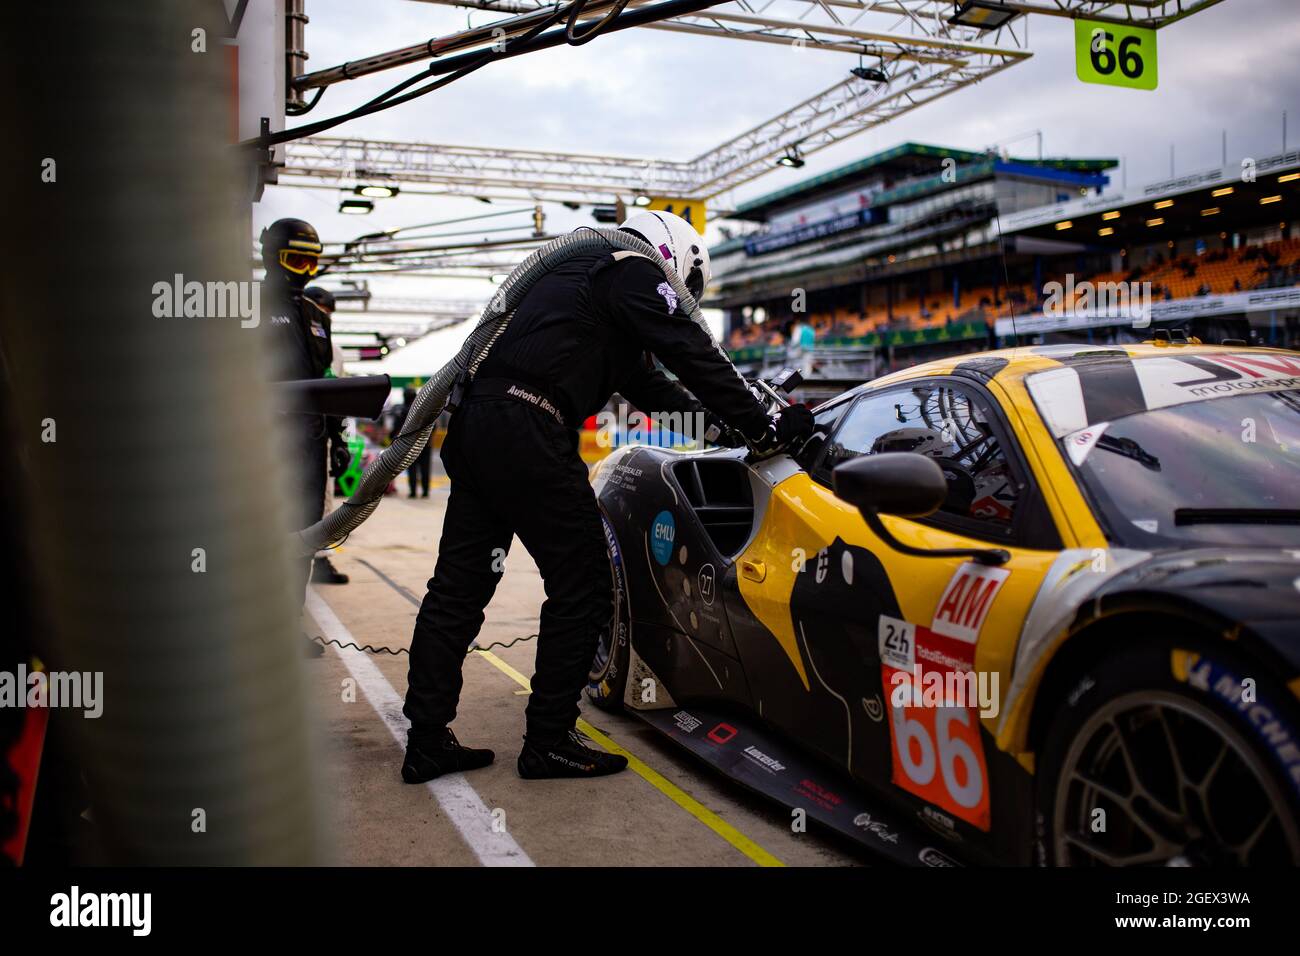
582	333
301	350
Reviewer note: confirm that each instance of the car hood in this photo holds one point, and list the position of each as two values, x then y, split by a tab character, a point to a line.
1257	587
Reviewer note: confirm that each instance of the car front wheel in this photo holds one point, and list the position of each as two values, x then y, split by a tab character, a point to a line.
1165	755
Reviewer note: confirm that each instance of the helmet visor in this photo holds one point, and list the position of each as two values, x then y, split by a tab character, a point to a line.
299	263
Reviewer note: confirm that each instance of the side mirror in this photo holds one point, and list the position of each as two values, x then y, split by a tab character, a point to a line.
892	483
906	484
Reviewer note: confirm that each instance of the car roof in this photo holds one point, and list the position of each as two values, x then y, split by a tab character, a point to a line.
1015	363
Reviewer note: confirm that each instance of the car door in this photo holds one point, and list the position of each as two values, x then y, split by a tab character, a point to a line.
863	628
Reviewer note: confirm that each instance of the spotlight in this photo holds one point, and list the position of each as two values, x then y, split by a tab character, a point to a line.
356	207
376	191
870	73
981	14
791	158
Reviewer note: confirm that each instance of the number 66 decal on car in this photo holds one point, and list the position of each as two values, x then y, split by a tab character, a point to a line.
933	708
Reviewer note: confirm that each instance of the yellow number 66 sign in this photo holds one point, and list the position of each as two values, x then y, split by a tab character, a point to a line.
1115	55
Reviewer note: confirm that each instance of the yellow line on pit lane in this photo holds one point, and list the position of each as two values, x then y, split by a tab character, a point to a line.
651	776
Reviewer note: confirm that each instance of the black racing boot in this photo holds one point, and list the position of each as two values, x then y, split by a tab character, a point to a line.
323	572
431	755
567	757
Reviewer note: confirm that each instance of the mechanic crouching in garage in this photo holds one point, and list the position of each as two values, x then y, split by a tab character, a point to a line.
584	331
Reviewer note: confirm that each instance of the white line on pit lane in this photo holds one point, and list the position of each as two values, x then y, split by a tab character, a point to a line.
459	801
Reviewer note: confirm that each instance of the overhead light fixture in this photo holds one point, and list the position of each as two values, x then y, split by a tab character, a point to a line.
870	73
1155	222
1164	204
1212	211
791	158
1269	200
1064	224
1113	214
982	14
376	191
356	207
641	201
1106	231
1225	191
1288	178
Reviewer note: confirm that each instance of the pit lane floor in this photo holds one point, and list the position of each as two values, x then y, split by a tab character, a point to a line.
667	809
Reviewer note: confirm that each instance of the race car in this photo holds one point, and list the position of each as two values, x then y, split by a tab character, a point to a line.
1037	605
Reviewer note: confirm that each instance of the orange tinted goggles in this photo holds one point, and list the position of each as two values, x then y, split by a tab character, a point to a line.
299	263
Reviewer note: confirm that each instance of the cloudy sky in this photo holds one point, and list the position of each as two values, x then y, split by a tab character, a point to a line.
653	94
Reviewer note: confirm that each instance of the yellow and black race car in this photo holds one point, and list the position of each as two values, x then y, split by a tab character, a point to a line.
1035	605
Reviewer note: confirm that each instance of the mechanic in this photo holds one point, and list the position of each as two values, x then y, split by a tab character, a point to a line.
300	349
318	305
418	474
585	330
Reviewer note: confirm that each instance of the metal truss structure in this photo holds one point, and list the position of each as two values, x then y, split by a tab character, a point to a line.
923	56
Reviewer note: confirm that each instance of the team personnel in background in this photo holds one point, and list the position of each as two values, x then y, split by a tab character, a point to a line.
318	303
417	476
299	341
585	330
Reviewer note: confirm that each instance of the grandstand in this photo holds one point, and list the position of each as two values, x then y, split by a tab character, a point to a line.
897	258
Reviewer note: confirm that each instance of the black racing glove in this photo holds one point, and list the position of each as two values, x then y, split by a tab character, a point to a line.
340	458
794	425
791	427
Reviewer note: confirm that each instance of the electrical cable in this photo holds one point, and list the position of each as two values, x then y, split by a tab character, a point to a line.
399	651
578	39
306	107
389	98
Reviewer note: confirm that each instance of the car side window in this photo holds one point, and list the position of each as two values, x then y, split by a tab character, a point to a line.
951	424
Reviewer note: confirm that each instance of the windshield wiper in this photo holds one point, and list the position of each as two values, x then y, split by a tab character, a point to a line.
1129	449
1186	516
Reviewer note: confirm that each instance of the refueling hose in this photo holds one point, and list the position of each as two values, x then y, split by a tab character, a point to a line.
433	395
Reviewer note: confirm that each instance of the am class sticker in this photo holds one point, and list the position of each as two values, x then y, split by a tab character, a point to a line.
663	531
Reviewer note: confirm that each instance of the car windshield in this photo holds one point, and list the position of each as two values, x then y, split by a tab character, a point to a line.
1219	471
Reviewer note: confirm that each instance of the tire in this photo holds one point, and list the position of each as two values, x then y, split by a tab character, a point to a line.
1181	776
608	675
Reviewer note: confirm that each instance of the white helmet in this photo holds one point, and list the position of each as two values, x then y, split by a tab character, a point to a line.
678	242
